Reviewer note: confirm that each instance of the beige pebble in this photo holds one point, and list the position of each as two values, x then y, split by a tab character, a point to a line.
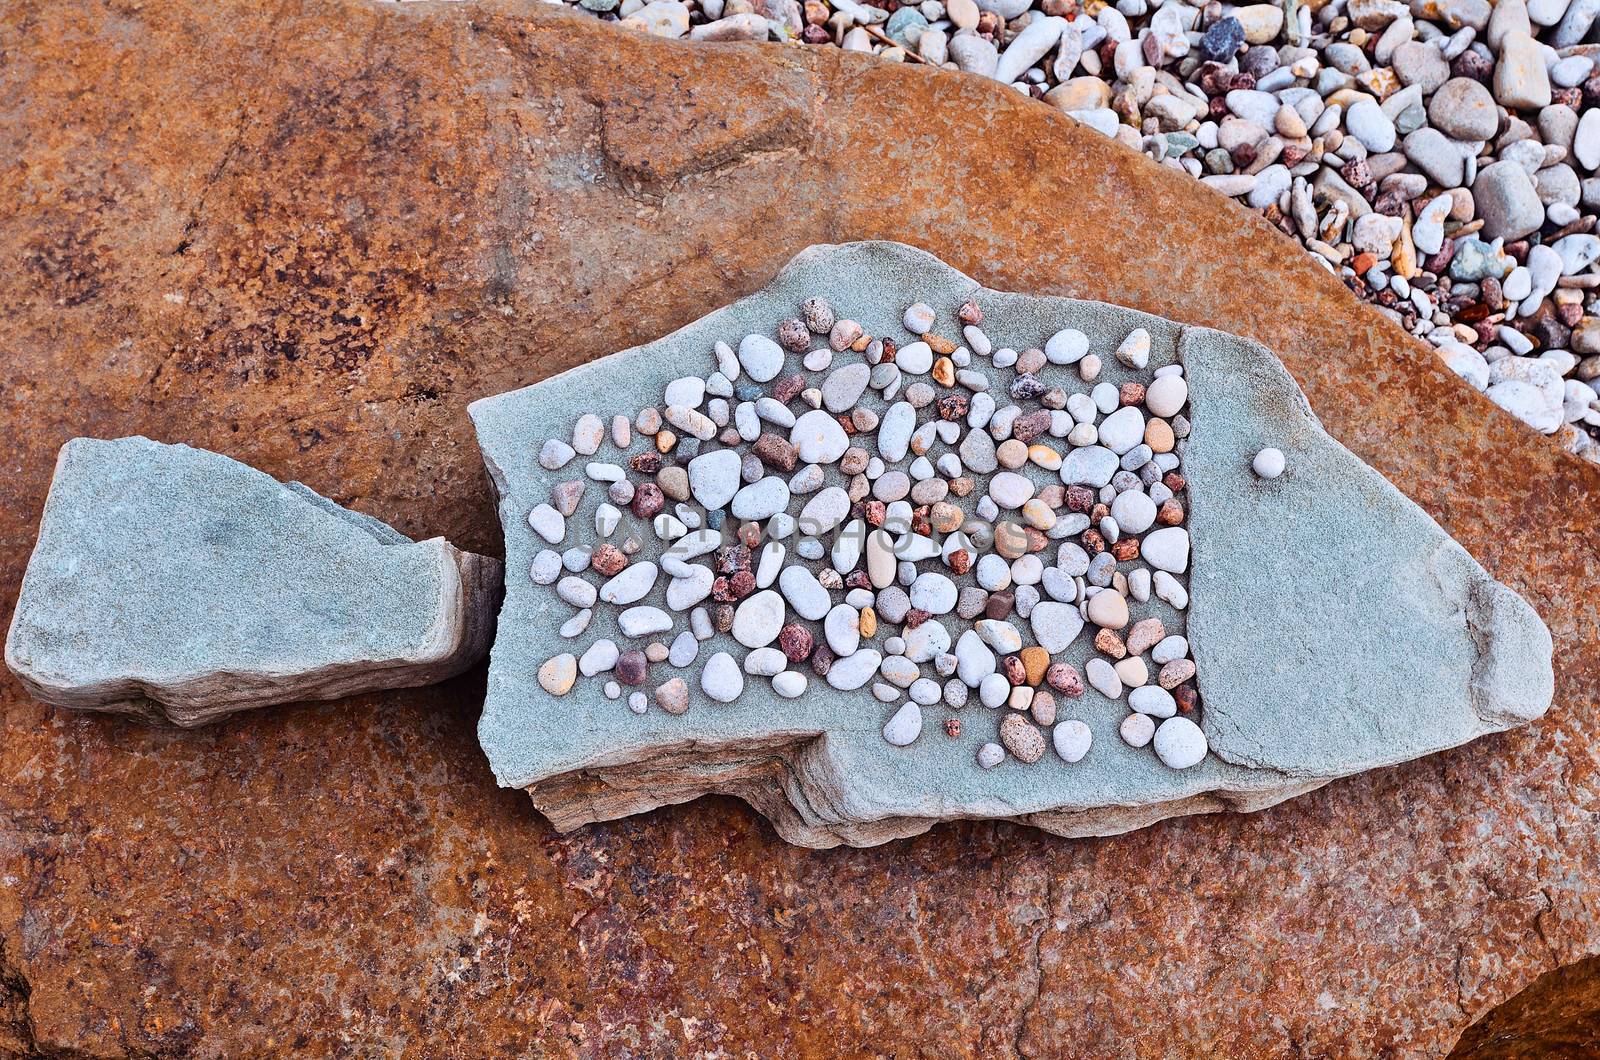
1011	454
557	675
1133	671
673	696
1108	609
1022	738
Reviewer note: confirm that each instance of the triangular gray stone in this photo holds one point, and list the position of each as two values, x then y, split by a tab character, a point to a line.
180	585
1335	626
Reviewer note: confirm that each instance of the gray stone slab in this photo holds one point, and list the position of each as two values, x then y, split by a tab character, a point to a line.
1335	626
180	585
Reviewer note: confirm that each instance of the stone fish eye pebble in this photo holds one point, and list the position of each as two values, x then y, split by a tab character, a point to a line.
927	557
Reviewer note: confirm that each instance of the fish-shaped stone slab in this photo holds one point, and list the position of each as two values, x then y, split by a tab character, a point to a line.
181	586
1328	625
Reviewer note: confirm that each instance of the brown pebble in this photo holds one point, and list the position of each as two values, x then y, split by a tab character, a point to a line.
796	642
1014	671
673	696
999	605
1035	663
665	440
822	660
674	482
1043	708
788	388
1125	549
1022	738
648	500
963	485
645	463
1175	481
1106	642
1158	436
1145	634
1170	513
775	451
854	461
1080	499
657	652
564	496
608	560
1176	673
970	313
952	727
632	667
843	335
722	617
1064	678
867	622
959	561
916	617
1131	393
1187	698
953	407
940	345
793	335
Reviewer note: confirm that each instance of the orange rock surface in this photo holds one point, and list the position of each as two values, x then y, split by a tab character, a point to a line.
306	235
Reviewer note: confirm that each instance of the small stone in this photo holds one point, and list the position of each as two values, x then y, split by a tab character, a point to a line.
1179	743
1072	740
991	755
721	678
555	454
1022	738
1463	109
1137	730
905	726
760	357
557	675
1268	463
672	696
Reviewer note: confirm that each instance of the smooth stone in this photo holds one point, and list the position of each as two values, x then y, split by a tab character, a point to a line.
643	621
844	387
842	629
1122	430
1091	465
760	357
1067	346
1463	109
894	431
853	671
905	726
631	585
1153	700
1167	549
1507	201
761	500
721	678
819	438
1055	625
1134	512
1072	740
1103	678
1180	743
974	659
915	358
934	593
1137	730
714	478
791	684
1028	47
759	617
803	592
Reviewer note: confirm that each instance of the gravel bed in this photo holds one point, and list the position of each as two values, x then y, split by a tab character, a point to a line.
1439	156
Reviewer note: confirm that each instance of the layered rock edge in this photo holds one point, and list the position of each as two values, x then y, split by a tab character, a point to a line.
1470	658
181	586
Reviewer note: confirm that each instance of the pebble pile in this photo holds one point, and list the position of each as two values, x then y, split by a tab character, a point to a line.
1441	156
876	513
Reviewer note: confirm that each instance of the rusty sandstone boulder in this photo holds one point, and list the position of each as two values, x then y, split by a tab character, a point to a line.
308	236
